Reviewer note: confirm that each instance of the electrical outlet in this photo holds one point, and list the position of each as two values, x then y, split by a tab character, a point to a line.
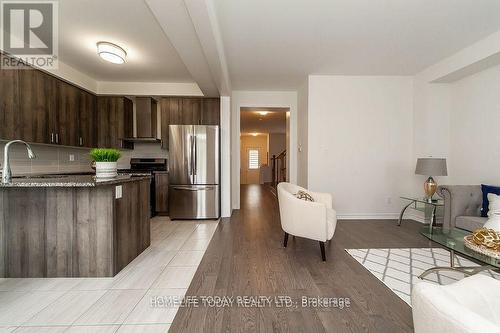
71	157
118	192
389	200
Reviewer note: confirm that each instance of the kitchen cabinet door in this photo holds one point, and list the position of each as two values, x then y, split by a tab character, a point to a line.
68	100
37	106
114	121
210	114
175	110
103	122
87	120
191	111
170	115
122	122
161	193
10	118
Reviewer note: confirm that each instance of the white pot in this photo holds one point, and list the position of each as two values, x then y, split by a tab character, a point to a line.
106	169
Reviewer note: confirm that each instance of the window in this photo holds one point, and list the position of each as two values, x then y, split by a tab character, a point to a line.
253	158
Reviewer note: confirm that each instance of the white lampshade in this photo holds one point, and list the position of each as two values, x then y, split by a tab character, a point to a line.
111	52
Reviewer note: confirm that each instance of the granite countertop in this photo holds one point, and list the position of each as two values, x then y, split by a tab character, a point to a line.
71	181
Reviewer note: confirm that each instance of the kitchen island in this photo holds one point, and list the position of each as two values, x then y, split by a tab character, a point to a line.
72	225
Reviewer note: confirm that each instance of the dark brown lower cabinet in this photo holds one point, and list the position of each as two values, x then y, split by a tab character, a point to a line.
72	232
161	193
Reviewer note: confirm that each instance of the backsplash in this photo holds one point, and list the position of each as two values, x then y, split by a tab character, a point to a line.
55	159
49	159
141	149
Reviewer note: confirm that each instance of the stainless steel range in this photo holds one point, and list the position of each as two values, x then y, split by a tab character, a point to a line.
149	166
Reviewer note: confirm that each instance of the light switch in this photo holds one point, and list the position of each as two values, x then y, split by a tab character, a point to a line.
71	157
118	192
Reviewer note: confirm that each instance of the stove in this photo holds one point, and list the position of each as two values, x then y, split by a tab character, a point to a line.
147	166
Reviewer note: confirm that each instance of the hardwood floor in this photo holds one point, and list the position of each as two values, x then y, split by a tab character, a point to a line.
246	258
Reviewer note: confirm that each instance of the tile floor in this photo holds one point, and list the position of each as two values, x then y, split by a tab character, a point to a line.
119	304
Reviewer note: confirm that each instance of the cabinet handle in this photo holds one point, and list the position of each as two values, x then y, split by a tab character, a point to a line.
52	137
57	138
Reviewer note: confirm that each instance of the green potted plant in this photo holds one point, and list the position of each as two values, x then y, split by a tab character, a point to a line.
105	162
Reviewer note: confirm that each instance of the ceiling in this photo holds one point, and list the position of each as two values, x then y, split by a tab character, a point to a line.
276	44
130	24
253	122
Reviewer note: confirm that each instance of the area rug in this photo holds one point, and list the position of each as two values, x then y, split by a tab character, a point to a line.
399	269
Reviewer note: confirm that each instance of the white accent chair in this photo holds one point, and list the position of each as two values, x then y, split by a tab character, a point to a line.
314	220
470	305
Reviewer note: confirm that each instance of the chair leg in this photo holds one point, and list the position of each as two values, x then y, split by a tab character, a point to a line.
322	248
285	241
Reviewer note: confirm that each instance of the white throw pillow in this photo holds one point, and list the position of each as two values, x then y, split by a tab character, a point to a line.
494	205
493	212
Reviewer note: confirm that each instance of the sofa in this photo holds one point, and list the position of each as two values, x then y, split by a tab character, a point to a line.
462	206
470	305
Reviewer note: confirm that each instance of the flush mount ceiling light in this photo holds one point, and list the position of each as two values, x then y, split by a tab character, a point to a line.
263	113
255	134
111	52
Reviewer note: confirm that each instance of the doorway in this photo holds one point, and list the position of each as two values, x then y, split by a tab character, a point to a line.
263	145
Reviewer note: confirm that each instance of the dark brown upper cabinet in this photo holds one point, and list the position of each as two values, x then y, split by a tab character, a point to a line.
37	107
210	111
187	111
67	124
191	111
87	129
115	122
10	118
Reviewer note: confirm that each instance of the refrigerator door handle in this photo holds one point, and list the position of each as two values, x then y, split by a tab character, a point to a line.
195	157
191	146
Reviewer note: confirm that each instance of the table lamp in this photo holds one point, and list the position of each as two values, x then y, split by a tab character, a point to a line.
431	167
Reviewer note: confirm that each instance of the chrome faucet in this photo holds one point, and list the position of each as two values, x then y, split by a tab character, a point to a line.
6	173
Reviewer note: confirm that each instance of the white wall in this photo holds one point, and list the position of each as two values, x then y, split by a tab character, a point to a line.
241	99
302	133
456	113
225	139
360	142
475	129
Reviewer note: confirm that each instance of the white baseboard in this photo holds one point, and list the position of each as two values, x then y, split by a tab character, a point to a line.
409	215
374	216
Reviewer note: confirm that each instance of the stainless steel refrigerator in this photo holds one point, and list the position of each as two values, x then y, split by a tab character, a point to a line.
194	189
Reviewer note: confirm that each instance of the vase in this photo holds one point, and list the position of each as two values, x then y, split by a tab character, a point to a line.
106	170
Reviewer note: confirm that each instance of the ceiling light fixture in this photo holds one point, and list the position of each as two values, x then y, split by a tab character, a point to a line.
263	113
255	134
111	52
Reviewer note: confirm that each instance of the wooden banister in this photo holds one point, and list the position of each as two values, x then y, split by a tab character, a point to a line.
279	168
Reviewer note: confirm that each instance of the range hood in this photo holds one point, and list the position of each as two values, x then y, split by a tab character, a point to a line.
145	120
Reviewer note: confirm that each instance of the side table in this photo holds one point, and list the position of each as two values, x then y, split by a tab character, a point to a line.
435	203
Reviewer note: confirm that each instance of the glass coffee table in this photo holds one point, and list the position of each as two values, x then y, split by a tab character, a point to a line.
453	241
415	201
